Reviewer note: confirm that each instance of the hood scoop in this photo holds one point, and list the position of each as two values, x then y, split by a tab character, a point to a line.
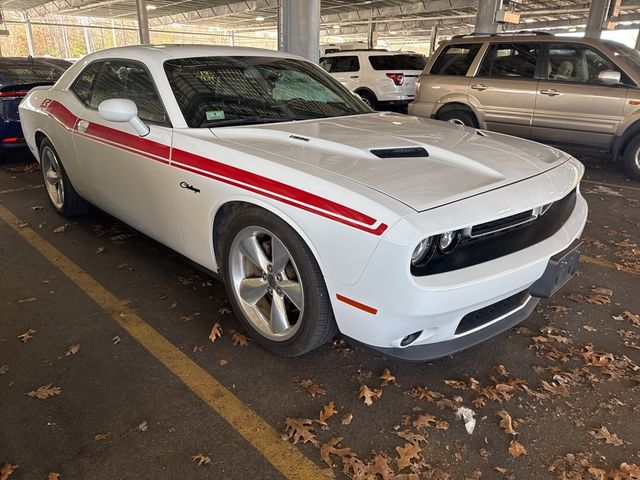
404	152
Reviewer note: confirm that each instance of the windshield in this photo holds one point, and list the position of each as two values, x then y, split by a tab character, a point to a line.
219	91
630	55
22	73
398	62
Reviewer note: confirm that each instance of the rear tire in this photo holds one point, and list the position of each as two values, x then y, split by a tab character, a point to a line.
459	117
369	98
63	197
275	284
631	158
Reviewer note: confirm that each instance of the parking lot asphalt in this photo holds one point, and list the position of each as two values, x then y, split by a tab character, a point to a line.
120	325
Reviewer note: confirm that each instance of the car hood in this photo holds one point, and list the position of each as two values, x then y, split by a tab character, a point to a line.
459	162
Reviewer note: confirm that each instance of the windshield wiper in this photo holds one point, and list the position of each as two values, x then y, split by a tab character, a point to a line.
244	121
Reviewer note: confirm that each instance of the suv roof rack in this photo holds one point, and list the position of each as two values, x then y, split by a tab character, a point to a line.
362	50
503	34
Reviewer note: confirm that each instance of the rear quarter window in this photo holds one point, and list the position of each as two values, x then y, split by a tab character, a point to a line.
455	60
347	63
25	73
397	62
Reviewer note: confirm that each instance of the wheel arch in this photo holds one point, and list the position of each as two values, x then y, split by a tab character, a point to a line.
367	90
621	142
452	106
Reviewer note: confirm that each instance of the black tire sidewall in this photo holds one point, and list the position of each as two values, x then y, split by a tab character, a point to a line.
465	117
47	143
629	158
317	316
373	101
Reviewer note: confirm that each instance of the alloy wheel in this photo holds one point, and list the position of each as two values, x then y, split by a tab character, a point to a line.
52	173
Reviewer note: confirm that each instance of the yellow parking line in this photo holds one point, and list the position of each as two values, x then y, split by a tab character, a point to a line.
21	189
628	187
282	455
606	263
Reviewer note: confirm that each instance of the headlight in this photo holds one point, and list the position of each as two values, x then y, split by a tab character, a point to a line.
448	241
423	251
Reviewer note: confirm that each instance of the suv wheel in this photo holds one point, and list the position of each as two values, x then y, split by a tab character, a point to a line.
459	117
631	158
369	99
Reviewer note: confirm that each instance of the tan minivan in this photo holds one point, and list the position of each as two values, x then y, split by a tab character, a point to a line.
573	91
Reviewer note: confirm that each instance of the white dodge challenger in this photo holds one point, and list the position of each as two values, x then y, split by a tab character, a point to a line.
415	237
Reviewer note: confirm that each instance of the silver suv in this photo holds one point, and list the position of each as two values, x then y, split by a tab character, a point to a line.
573	91
380	78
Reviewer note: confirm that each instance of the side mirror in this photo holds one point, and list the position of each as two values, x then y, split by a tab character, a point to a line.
609	77
123	110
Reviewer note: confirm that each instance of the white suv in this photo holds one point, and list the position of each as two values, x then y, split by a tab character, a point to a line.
379	77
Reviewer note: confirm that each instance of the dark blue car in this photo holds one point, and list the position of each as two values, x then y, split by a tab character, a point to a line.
17	77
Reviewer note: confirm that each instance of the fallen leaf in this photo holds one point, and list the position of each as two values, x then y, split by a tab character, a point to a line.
516	449
559	308
387	378
197	348
240	339
406	454
632	317
53	476
4	369
502	370
222	362
45	392
35	208
314	390
424	421
412	437
380	466
501	470
576	297
506	423
26	336
61	228
609	437
98	437
143	426
201	459
368	395
216	332
116	340
600	296
555	389
6	470
100	250
329	448
298	429
602	291
346	419
327	411
27	300
442	425
224	311
72	349
589	328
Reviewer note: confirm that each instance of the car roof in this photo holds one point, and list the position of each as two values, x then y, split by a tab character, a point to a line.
522	37
369	52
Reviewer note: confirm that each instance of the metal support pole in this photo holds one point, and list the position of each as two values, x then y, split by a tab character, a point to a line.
433	40
29	32
486	17
638	41
87	35
371	34
598	13
113	33
299	28
143	22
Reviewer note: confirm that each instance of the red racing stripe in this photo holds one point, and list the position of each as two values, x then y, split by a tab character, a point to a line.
218	171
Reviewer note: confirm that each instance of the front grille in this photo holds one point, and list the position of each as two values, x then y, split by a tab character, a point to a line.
489	313
502	224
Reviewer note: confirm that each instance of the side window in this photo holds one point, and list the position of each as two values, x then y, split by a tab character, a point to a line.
83	86
510	60
455	60
119	79
576	63
341	64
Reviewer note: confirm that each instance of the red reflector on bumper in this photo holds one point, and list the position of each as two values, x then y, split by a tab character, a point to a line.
358	305
11	139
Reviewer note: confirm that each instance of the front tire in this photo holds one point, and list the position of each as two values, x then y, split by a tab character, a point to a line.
369	98
275	284
631	158
63	197
459	117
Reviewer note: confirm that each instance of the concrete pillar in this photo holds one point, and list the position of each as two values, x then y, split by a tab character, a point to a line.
29	32
143	22
486	17
598	12
299	28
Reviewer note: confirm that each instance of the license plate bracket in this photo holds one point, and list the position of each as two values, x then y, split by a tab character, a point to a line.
561	268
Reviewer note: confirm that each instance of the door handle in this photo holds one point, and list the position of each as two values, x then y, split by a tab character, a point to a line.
354	76
479	86
552	92
82	126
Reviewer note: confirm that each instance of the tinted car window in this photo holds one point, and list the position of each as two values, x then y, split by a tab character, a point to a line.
340	64
118	79
397	62
455	60
576	63
510	60
23	72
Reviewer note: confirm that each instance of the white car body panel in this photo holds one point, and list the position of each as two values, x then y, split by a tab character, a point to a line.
360	215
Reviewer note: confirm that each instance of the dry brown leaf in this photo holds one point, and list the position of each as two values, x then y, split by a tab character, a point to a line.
516	449
559	308
502	370
560	339
442	425
216	332
222	362
327	411
368	395
506	423
4	369
6	470
501	470
26	336
239	339
298	429
406	454
632	317
329	448
53	476
354	467
602	291
143	426
45	391
61	228
98	437
412	437
346	419
589	328
380	466
116	340
72	349
457	384
424	421
576	297
100	250
314	390
197	348
387	378
609	437
560	390
201	459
